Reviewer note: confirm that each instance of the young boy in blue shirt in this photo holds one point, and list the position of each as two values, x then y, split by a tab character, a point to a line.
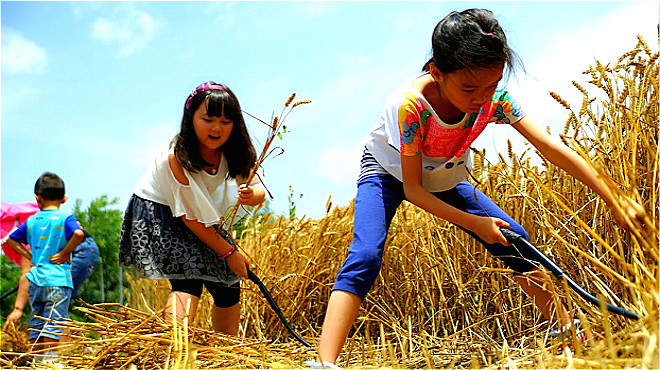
52	234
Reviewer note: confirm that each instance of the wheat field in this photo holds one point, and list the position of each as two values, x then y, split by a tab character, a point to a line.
440	300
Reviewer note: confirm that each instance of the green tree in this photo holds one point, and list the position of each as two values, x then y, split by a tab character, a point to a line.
103	223
9	275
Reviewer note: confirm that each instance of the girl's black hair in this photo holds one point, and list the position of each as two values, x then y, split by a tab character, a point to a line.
471	39
238	150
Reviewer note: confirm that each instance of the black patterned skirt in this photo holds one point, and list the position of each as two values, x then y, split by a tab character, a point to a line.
161	246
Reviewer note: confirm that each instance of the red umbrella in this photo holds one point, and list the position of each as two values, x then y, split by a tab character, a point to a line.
12	216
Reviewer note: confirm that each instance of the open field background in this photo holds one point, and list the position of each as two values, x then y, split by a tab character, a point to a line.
440	301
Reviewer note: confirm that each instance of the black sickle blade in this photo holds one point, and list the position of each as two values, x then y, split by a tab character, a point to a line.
520	242
276	308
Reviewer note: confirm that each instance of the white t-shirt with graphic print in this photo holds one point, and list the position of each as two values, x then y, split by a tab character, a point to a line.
408	125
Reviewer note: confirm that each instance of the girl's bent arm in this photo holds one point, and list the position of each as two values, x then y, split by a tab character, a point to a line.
571	162
236	262
65	254
208	235
486	227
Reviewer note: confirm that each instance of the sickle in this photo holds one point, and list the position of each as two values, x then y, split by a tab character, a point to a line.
520	242
276	308
255	279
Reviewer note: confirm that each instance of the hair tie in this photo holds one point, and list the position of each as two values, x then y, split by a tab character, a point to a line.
206	86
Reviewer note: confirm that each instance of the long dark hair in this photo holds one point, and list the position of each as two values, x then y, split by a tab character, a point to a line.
471	39
238	150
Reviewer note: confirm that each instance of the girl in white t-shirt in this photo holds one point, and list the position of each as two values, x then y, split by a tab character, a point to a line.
170	225
419	151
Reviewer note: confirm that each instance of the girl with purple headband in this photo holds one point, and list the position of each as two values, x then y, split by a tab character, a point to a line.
170	226
419	151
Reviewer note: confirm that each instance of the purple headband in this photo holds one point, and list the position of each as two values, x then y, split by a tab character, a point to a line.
200	89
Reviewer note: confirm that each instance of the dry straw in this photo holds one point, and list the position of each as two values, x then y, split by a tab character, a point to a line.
441	301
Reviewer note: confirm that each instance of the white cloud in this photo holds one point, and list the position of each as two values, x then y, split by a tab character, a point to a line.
355	62
20	55
340	164
16	100
562	58
152	141
223	11
344	111
80	9
404	24
132	29
315	9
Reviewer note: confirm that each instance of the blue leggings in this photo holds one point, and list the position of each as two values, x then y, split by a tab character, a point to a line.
377	200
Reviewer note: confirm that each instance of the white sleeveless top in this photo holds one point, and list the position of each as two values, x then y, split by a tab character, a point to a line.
207	199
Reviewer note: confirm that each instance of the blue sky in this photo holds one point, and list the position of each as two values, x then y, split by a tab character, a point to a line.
92	90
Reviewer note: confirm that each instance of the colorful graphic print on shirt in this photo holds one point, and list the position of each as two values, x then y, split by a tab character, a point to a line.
421	134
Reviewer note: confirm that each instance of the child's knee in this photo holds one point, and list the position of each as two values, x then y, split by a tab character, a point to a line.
365	262
359	272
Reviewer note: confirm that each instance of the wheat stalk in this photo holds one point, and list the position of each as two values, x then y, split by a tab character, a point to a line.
274	127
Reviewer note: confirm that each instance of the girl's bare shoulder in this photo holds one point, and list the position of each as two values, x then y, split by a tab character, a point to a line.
177	170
